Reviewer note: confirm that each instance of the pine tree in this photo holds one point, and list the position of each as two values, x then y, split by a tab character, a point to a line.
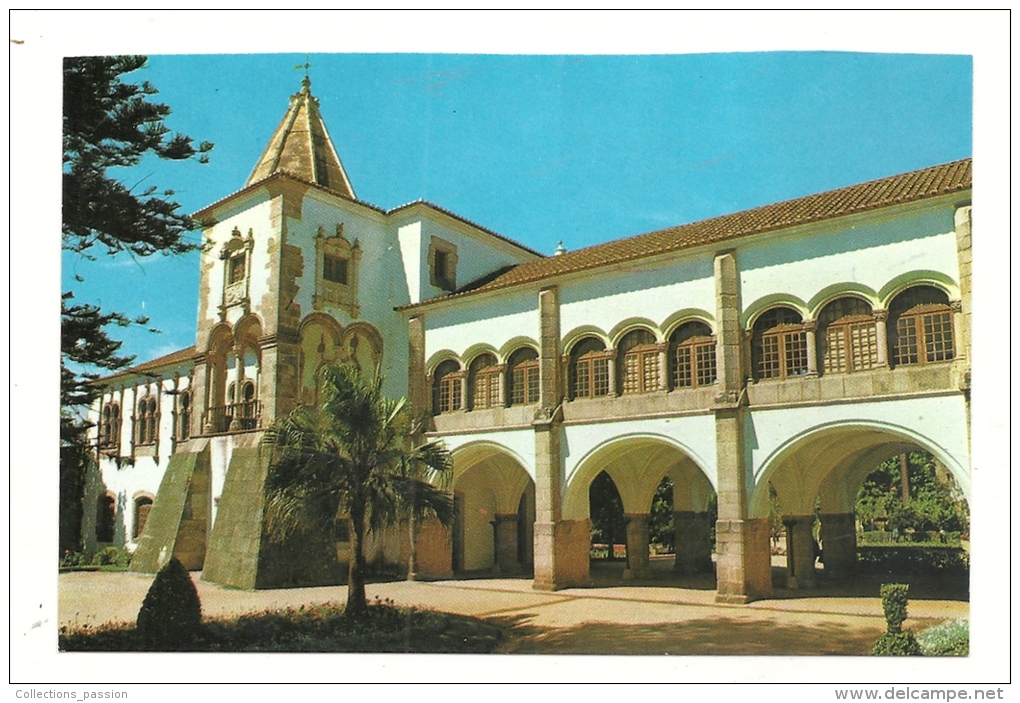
108	124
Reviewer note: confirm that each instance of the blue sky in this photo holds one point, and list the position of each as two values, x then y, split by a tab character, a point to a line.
578	148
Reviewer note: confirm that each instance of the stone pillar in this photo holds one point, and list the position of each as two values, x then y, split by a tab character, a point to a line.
810	335
561	546
417	388
613	390
742	544
238	377
663	368
839	545
965	258
505	538
693	532
882	336
637	545
464	377
503	401
800	551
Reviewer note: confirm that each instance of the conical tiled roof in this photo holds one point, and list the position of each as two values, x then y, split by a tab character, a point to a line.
301	147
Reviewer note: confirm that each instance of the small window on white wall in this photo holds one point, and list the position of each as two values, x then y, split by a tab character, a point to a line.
442	264
336	271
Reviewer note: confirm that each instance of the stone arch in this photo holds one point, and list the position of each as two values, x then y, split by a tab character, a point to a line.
319	343
578	333
900	283
512	345
629	325
476	350
366	355
494	499
841	290
774	300
682	317
839	451
221	343
438	358
662	456
141	503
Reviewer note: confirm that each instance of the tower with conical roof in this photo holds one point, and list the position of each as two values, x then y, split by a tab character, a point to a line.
300	147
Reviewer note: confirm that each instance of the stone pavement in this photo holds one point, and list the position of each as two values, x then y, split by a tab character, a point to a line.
616	619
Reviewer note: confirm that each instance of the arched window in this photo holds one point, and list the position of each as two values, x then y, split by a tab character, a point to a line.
143	504
247	409
145	421
920	327
779	344
184	415
483	382
106	514
109	431
523	377
589	368
446	389
638	362
692	355
847	340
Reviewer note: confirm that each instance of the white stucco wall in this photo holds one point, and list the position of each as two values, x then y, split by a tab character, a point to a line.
493	321
869	251
607	298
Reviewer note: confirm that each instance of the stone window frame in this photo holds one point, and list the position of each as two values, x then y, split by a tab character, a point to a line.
775	334
185	409
109	430
142	500
237	292
146	420
442	250
635	363
336	293
447	387
922	317
700	350
596	364
856	333
523	377
106	517
483	382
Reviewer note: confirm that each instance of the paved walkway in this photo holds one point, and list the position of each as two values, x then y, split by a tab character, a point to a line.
615	619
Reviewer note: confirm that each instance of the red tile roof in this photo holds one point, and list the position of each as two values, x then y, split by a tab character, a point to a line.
907	187
178	357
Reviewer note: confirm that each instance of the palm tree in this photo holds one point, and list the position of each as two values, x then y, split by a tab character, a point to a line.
350	459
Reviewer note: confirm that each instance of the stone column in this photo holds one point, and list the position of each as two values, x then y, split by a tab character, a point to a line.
464	376
417	388
742	544
839	545
613	390
882	336
800	551
505	537
663	368
502	402
965	258
238	376
561	546
637	545
693	542
810	334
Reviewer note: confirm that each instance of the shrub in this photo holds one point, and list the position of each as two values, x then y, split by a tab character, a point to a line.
171	614
948	639
896	644
894	604
112	556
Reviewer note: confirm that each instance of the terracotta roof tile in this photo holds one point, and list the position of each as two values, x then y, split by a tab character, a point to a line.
171	359
907	187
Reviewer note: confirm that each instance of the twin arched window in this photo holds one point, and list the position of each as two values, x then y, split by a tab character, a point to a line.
147	420
184	415
638	362
109	430
483	382
847	336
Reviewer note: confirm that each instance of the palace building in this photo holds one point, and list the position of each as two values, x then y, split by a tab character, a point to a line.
788	348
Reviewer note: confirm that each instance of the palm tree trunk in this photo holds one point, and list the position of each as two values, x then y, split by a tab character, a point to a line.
357	601
412	566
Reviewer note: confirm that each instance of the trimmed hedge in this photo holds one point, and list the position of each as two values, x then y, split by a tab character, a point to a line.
948	639
929	560
171	614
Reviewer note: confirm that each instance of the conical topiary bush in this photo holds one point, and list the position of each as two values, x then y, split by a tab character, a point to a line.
171	615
